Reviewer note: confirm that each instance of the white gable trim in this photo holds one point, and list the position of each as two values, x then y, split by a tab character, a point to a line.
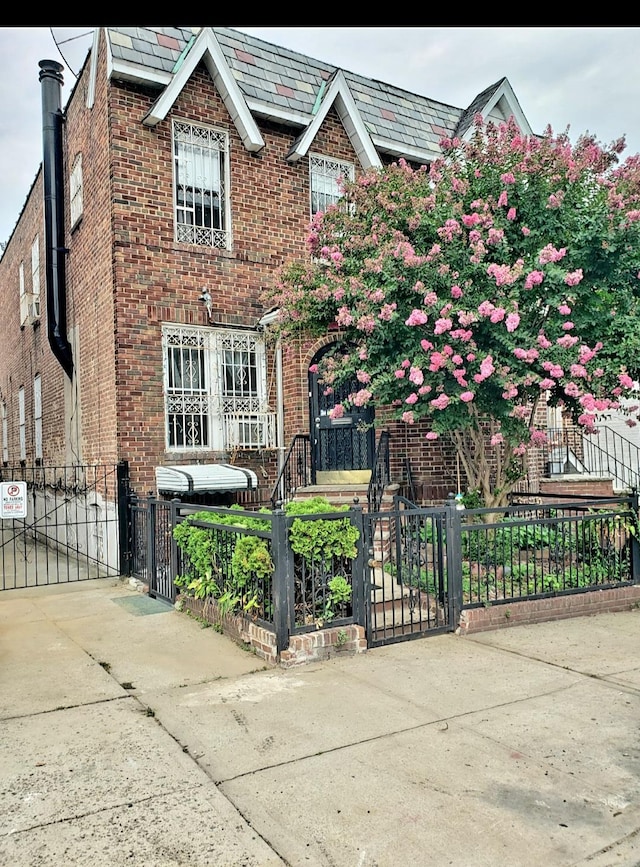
504	92
207	48
340	95
399	149
93	68
277	114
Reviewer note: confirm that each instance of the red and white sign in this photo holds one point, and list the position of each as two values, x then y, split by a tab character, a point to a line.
13	500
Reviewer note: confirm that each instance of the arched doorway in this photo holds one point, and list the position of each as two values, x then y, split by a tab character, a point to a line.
342	449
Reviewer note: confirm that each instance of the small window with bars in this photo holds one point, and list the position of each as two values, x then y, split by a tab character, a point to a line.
324	177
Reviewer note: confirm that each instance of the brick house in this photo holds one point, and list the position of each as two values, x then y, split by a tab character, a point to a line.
180	176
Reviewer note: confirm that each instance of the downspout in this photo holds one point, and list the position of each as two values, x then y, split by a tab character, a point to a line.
55	251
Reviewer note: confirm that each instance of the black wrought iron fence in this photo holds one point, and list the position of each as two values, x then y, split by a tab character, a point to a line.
231	563
295	471
402	573
267	566
541	550
73	527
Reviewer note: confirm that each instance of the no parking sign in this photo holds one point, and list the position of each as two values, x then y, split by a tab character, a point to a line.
13	500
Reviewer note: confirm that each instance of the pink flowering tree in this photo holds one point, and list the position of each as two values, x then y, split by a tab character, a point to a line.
506	274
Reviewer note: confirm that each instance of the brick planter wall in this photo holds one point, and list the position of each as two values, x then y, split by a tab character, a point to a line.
240	629
310	647
542	610
324	644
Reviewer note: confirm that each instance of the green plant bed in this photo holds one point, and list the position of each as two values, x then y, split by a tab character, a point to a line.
236	568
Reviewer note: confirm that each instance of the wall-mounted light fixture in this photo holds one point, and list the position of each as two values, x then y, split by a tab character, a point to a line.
205	297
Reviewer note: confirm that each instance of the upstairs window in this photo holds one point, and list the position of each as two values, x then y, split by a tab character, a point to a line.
37	415
324	177
201	199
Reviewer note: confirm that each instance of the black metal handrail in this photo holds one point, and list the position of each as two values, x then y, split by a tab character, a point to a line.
380	475
604	453
295	470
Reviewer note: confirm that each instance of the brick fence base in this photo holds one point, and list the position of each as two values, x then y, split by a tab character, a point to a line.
308	647
350	639
241	629
542	610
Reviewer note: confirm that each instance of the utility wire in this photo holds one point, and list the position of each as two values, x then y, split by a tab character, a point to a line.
63	42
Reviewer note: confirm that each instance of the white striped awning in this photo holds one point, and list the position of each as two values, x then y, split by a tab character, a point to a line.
200	478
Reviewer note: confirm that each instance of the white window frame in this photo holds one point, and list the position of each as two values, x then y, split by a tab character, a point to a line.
37	415
5	434
76	192
324	174
22	422
201	173
24	300
35	278
215	387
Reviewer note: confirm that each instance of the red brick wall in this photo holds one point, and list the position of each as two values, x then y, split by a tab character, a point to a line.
543	610
24	351
160	280
90	276
127	275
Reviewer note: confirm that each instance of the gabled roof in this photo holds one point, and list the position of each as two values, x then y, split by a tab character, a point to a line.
290	88
338	94
499	94
205	48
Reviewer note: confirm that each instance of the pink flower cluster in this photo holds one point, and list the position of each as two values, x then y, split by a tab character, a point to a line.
550	254
449	230
441	402
417	317
534	278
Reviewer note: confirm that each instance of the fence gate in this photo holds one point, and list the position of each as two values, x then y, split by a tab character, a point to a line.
71	530
152	522
407	574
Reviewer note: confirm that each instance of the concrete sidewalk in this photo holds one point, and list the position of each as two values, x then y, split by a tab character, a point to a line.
131	735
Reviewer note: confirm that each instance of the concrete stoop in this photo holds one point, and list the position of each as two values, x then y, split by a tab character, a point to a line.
346	495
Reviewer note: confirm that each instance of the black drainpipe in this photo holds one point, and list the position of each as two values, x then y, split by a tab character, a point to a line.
52	165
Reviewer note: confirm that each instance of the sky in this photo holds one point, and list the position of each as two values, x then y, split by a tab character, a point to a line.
583	78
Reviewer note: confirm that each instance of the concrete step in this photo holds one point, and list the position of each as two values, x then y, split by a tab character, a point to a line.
345	495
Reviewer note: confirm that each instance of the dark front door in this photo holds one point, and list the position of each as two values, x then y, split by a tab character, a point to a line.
342	448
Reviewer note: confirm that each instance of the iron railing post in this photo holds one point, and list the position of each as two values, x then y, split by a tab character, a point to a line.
453	523
151	542
358	568
124	518
635	542
283	602
173	557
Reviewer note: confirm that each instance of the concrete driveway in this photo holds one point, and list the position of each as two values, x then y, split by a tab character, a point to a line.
132	735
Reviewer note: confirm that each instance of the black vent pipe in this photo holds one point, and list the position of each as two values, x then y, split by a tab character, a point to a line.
52	166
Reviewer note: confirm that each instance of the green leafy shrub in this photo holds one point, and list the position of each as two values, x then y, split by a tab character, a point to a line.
236	568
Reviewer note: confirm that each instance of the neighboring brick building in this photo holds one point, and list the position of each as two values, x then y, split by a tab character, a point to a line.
192	161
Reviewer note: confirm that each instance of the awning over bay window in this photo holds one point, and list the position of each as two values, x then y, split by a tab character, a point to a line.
203	478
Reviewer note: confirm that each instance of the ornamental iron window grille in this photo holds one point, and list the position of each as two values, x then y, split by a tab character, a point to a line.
325	175
200	159
215	389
